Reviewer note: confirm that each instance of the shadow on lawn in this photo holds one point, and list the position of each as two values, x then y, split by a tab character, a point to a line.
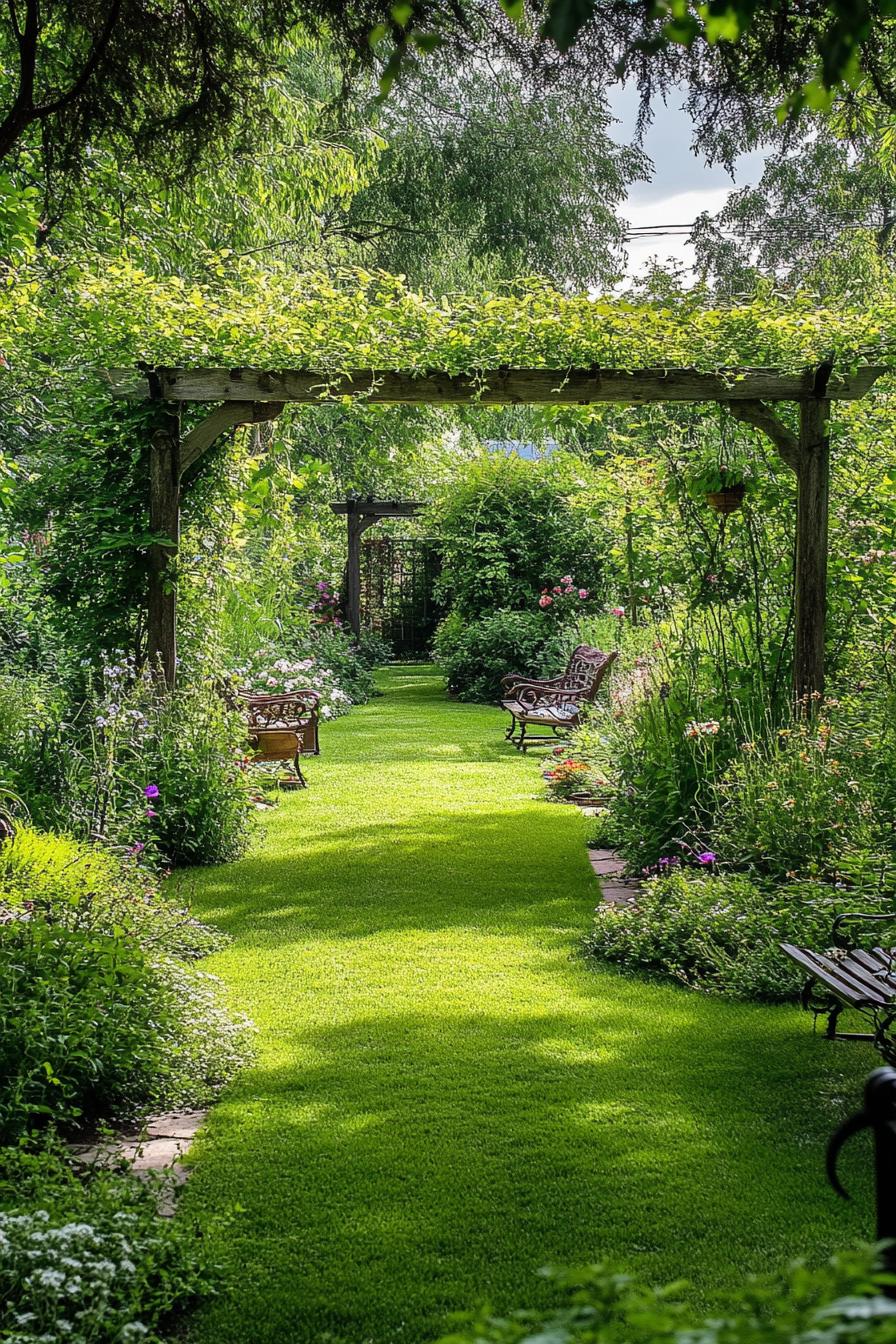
407	1165
498	869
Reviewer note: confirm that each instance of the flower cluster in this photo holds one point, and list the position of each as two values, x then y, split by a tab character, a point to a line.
326	605
708	729
272	675
562	594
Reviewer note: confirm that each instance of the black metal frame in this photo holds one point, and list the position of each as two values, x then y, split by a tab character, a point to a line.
878	1114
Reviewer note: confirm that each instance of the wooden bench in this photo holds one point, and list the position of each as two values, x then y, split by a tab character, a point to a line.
854	978
283	727
555	703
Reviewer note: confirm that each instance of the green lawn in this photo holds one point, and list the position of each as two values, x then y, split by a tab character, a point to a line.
445	1098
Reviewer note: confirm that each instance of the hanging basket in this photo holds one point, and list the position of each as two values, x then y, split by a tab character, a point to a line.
728	500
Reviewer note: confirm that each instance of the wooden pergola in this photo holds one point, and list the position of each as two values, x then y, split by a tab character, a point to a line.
753	395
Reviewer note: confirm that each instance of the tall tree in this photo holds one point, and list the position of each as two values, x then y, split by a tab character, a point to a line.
484	177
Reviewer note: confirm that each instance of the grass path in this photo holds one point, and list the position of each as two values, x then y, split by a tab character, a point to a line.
445	1098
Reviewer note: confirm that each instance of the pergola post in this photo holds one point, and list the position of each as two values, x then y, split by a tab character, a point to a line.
164	522
811	567
356	525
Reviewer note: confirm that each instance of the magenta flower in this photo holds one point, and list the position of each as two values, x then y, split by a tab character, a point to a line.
617	611
706	857
583	593
151	813
137	848
151	791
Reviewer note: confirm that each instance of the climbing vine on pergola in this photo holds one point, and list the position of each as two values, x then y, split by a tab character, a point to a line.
247	339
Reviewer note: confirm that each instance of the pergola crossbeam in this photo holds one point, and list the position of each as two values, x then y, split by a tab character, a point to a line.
497	387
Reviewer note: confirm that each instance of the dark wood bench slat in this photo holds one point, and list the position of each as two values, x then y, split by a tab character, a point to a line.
849	981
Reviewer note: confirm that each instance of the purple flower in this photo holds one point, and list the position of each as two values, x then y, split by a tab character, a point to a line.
151	791
706	857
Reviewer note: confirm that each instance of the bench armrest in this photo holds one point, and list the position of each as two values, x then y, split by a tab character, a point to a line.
517	679
838	938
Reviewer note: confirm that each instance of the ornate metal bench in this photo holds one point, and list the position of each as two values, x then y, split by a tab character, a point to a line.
283	727
555	703
854	978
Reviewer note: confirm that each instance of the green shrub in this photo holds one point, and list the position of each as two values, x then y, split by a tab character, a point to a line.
79	1027
507	528
840	1303
719	932
101	1018
192	751
475	655
88	1260
87	887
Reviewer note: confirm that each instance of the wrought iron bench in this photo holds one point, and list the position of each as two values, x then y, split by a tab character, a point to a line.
555	703
854	978
283	727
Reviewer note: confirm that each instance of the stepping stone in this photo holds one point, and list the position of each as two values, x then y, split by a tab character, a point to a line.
157	1148
609	869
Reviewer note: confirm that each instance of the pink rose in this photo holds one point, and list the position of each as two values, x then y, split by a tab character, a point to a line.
617	611
583	593
567	578
545	600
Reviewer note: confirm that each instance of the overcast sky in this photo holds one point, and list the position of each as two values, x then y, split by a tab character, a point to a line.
682	185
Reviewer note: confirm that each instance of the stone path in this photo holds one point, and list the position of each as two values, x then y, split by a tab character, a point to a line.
157	1148
609	869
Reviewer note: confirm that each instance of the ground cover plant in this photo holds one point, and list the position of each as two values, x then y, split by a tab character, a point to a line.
844	1300
86	1257
408	964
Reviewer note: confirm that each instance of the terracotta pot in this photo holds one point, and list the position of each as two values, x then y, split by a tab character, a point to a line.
728	500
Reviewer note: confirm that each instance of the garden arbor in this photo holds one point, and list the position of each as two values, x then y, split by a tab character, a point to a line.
753	395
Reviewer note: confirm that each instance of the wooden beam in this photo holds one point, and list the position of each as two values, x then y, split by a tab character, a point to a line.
762	417
356	525
217	422
378	508
491	388
811	570
164	522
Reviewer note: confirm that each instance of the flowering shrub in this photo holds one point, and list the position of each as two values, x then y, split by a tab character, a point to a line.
328	662
325	607
566	777
795	803
719	932
565	600
90	1261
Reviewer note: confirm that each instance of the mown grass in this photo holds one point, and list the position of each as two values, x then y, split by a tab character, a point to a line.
445	1097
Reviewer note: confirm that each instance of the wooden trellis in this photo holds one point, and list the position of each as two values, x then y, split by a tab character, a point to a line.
248	396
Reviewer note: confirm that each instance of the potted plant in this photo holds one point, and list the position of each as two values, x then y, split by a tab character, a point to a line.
722	484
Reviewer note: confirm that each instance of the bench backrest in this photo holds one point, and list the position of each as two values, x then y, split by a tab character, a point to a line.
586	669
